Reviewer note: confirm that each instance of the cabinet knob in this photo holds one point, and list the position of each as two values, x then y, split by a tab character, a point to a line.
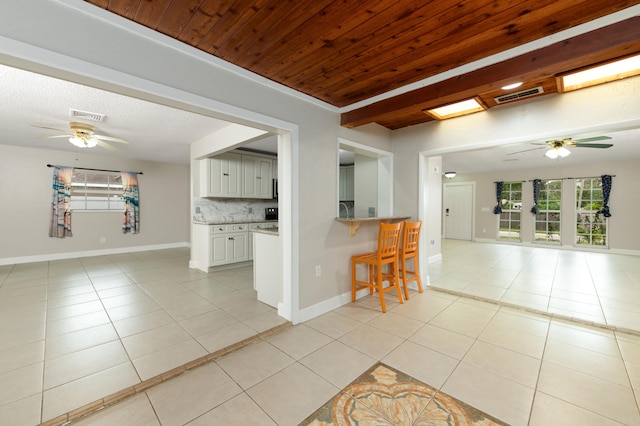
225	174
231	238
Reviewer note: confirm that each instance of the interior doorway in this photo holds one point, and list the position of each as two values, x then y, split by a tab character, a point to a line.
457	207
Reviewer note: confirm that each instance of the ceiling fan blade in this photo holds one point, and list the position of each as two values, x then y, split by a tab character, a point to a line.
105	145
110	138
594	145
49	128
526	150
57	136
593	139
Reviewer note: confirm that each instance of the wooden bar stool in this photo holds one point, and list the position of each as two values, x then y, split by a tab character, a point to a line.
386	254
409	250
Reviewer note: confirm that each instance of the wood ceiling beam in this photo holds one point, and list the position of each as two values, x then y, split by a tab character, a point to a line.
619	39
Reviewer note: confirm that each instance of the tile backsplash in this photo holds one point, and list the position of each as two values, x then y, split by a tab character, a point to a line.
230	209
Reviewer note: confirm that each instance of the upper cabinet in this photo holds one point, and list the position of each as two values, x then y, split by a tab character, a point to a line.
233	175
257	181
221	176
346	183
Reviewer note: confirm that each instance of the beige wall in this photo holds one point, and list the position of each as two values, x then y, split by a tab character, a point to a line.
25	191
624	234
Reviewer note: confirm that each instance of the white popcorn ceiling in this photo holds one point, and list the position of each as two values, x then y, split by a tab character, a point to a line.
154	132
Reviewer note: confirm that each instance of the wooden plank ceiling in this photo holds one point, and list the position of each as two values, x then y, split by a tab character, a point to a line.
347	51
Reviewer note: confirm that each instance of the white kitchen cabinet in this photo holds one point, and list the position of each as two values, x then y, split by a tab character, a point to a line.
256	177
258	225
228	244
267	268
346	183
221	176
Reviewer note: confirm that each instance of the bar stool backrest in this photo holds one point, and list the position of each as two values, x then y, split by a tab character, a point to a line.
388	240
411	237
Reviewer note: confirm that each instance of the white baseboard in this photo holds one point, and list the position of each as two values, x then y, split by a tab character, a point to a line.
88	253
558	247
328	305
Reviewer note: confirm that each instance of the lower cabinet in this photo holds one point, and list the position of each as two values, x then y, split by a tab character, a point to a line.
252	226
228	244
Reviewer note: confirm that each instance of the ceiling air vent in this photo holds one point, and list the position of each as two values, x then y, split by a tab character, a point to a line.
519	95
93	116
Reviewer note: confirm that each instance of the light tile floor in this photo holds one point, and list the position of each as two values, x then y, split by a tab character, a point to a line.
74	331
594	287
519	366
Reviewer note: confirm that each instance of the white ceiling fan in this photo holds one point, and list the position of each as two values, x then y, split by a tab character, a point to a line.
559	147
83	135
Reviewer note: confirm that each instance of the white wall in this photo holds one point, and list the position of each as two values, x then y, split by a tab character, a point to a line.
25	191
432	219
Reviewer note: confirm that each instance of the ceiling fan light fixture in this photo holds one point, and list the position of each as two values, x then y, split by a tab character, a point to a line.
449	175
79	142
592	76
456	109
556	152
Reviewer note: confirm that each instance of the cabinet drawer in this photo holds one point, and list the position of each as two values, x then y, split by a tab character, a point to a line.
217	229
231	227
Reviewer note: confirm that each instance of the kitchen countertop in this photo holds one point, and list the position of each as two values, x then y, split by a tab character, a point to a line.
355	222
219	222
269	231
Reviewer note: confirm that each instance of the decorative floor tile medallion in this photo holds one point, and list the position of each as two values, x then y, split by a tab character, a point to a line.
385	396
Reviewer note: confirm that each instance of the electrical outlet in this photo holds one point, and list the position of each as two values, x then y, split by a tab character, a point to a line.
250	210
318	270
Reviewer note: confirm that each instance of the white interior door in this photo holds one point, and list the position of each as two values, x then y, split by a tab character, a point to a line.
458	211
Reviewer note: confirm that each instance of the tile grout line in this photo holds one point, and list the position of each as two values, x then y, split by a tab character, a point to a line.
142	387
626	369
551	315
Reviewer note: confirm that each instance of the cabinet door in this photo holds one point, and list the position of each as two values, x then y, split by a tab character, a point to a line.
222	176
218	254
237	247
256	177
265	181
346	183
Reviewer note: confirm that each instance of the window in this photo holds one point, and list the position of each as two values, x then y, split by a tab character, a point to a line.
509	227
92	190
591	227
547	222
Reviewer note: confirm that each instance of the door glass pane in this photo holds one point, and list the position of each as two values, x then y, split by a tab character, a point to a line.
547	222
511	202
591	226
